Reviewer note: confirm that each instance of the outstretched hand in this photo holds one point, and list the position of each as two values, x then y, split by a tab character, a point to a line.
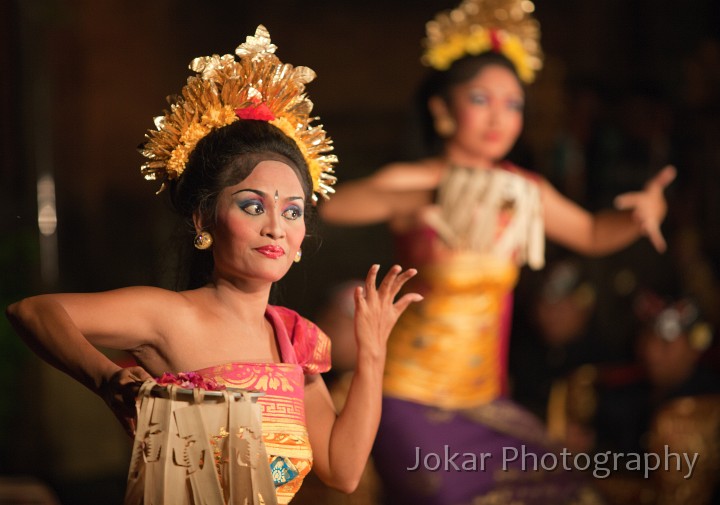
376	310
119	393
649	206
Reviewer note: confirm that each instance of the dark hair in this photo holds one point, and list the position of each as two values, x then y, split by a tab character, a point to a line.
223	158
441	82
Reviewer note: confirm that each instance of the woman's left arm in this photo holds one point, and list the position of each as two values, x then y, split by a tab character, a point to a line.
637	214
342	442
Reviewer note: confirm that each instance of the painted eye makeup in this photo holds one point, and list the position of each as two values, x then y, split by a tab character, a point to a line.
251	206
292	213
479	98
517	105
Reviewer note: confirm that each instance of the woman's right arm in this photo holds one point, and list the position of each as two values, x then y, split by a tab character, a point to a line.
64	330
45	326
394	190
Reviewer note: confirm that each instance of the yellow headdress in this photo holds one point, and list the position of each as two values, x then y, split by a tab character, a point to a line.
477	26
258	86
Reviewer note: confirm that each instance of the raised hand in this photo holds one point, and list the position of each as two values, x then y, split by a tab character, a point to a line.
376	310
649	206
119	393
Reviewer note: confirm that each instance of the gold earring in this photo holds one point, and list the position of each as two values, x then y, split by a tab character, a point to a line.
298	256
203	240
444	126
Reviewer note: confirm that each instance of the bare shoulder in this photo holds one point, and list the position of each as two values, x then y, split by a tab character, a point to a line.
139	296
417	175
124	318
548	192
140	311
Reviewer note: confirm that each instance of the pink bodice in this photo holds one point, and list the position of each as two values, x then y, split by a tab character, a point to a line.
304	349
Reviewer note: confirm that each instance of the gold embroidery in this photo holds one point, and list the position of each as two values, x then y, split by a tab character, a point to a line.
457	327
216	444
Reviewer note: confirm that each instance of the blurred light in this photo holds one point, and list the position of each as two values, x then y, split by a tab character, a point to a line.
47	215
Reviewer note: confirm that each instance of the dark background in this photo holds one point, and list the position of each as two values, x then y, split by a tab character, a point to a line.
634	83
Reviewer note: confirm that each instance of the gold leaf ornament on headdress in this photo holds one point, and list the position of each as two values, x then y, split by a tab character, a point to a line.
478	26
256	86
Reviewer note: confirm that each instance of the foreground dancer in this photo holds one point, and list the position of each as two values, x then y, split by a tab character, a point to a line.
469	220
243	165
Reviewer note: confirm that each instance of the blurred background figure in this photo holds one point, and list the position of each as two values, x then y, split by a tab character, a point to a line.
469	219
668	398
552	330
671	340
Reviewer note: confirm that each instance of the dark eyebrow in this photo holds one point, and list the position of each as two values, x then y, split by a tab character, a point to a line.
263	194
256	191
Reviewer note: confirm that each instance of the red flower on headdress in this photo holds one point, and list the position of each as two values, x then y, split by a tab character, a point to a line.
495	40
260	112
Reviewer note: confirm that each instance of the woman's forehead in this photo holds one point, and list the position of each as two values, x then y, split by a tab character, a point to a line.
496	76
271	175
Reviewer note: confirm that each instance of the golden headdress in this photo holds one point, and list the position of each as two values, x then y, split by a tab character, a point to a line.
477	26
258	86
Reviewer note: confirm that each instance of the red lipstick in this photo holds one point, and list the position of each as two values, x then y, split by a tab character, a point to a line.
271	251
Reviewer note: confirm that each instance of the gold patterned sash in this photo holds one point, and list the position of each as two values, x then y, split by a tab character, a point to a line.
446	351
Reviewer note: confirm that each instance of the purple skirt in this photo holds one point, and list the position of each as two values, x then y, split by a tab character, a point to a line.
497	453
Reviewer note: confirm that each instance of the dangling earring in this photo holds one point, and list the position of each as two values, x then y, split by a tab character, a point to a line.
298	256
444	126
203	240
